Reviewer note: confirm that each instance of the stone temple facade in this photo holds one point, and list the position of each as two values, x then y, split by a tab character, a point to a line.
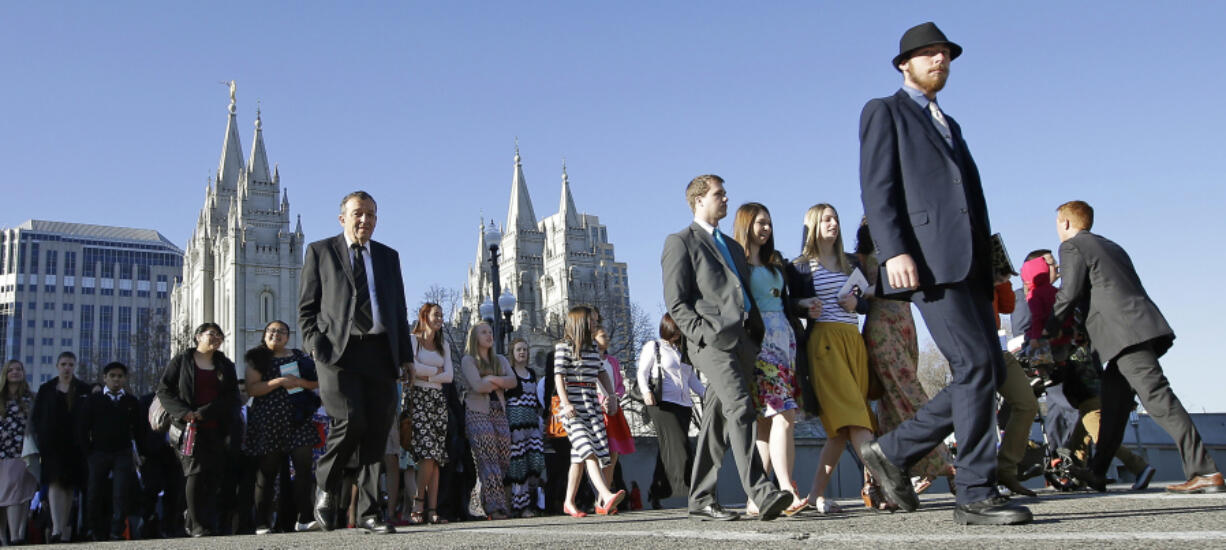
242	263
550	265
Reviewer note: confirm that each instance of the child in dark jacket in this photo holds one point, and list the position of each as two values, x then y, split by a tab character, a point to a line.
112	421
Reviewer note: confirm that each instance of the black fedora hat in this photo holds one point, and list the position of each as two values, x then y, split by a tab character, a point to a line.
919	36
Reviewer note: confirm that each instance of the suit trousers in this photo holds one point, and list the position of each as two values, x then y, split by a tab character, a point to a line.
1023	406
1135	371
729	420
675	460
118	467
960	319
360	398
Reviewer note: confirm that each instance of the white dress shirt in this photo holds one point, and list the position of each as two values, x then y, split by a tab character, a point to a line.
377	325
679	379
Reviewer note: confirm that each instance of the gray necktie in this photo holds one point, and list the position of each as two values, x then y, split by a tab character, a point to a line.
942	124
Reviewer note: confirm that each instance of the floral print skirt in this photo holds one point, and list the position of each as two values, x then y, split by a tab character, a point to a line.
775	369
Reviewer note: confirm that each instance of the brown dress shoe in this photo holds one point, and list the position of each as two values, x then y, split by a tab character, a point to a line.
1211	483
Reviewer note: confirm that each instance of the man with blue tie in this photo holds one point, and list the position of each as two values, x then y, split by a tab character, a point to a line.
929	220
706	292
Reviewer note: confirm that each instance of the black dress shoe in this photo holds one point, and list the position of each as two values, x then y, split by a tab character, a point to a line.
894	482
713	512
324	510
774	504
377	527
1088	477
991	512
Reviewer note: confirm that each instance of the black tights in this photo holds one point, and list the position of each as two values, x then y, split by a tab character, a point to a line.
265	485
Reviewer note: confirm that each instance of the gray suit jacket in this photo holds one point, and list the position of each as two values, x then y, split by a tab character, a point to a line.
1098	275
703	294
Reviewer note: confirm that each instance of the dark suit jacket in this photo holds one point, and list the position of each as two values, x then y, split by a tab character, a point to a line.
105	425
703	294
326	300
1099	274
921	196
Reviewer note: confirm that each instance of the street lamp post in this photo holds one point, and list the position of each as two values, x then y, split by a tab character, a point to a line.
506	304
494	237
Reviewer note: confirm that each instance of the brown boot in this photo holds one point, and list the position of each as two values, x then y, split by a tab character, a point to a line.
1211	483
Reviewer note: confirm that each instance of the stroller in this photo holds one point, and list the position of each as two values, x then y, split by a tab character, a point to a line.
1053	459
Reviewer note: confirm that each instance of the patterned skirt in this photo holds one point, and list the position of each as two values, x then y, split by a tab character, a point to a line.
586	430
428	409
893	354
490	438
775	369
527	467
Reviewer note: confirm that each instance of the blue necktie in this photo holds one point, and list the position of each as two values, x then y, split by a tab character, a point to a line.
723	249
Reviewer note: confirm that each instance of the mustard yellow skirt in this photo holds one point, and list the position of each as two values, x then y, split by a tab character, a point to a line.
839	366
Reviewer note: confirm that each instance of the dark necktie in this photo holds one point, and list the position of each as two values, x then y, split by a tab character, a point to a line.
362	318
114	396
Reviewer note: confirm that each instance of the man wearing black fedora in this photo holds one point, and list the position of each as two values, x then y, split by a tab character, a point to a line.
929	220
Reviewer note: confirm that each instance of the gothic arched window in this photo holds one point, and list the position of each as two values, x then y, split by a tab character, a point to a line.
268	309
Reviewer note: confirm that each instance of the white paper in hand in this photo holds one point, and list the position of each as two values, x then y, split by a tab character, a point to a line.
855	280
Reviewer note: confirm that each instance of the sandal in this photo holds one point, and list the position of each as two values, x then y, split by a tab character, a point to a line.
874	498
923	484
433	518
416	517
798	506
568	510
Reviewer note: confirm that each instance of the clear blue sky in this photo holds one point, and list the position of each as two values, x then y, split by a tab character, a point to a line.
113	114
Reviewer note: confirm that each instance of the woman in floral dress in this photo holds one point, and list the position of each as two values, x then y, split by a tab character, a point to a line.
893	354
775	369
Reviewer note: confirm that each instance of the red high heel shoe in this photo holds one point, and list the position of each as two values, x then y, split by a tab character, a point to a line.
573	512
611	505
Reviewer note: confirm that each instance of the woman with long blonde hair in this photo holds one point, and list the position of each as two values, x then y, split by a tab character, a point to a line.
837	357
577	372
17	484
487	375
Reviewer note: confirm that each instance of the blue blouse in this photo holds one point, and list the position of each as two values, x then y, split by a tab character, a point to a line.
766	285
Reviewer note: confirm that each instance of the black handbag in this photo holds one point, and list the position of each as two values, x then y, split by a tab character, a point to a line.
655	384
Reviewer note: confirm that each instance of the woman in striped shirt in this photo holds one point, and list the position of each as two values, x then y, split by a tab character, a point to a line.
837	357
577	371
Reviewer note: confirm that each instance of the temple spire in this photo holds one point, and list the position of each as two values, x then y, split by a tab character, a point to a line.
520	215
566	205
231	163
257	165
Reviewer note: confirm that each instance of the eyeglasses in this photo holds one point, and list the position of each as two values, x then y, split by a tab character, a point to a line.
277	331
212	334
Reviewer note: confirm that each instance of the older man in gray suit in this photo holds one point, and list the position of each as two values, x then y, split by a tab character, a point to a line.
706	292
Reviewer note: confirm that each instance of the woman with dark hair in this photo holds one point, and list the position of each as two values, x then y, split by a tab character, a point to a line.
428	410
526	471
17	484
63	461
488	375
578	370
663	371
893	355
777	396
282	382
837	358
199	390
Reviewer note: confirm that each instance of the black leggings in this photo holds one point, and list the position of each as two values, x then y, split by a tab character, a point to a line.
304	484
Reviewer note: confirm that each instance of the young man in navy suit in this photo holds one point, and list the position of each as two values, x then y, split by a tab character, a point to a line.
929	221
